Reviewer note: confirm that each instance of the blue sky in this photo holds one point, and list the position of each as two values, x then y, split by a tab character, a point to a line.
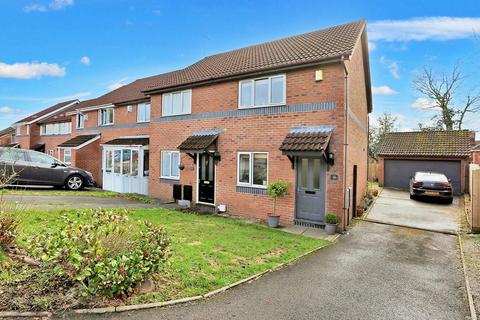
51	50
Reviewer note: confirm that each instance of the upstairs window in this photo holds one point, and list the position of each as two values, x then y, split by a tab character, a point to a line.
56	128
105	117
261	92
81	120
143	112
177	103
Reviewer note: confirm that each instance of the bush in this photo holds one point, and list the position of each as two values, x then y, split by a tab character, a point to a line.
104	254
8	230
331	218
275	190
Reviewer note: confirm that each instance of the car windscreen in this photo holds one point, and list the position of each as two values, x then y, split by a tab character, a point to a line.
429	176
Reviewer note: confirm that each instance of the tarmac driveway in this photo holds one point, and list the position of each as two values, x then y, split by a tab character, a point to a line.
396	207
376	272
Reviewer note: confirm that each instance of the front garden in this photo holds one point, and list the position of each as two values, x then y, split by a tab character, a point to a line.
66	259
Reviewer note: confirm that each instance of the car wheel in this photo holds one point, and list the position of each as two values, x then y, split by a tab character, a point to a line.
74	182
449	201
412	197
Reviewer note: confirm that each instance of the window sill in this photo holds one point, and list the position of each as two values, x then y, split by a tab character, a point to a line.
169	181
170	178
143	121
106	125
263	106
175	114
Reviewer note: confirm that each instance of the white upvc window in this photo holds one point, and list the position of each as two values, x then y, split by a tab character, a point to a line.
177	103
19	131
170	161
50	153
56	128
143	112
252	169
105	117
67	155
81	120
262	92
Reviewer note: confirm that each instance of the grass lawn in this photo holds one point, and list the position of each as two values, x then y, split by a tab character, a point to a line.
99	193
208	252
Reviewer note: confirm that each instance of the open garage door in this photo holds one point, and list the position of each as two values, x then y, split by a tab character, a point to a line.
398	172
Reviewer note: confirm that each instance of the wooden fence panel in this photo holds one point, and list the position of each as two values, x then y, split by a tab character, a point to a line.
475	197
372	170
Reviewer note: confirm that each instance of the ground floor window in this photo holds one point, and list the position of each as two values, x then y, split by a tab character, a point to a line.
252	169
170	160
67	156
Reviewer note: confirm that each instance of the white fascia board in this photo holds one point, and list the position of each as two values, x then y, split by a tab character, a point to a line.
92	108
53	112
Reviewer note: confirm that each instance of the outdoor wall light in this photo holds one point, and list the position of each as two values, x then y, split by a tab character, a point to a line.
330	158
181	166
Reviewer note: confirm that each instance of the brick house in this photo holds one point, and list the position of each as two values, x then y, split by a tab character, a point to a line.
401	154
476	153
223	128
44	130
7	137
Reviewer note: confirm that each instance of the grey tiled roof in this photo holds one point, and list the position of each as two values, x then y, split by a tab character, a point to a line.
198	142
306	141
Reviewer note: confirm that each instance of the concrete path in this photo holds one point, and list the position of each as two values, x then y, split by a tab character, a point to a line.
375	272
74	202
396	207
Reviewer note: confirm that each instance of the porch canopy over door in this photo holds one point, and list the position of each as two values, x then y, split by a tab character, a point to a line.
307	148
200	142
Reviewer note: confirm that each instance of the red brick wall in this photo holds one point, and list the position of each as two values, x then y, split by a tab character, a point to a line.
476	157
89	158
357	131
6	138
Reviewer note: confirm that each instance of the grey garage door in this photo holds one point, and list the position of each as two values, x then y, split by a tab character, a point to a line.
398	172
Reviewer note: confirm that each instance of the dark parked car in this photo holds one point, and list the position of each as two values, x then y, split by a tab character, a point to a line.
431	184
30	167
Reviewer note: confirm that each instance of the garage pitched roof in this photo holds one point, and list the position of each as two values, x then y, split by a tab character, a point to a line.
442	144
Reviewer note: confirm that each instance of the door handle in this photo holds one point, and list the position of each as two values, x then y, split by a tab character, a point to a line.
309	192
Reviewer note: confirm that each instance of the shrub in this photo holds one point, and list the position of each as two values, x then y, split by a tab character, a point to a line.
275	190
104	254
331	218
8	230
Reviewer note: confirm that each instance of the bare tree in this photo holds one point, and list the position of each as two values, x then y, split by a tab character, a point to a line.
385	123
442	91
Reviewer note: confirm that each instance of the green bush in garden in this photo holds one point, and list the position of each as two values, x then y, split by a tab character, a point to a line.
105	254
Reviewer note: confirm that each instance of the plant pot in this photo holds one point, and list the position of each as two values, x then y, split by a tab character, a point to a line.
273	221
330	228
360	211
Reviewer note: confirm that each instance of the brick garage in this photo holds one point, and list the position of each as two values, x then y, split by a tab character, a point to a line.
401	154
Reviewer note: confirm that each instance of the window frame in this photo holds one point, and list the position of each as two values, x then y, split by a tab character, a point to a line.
70	155
56	128
144	104
182	92
170	152
252	97
82	117
100	117
250	168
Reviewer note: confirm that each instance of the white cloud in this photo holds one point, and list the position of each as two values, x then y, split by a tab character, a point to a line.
423	104
424	28
117	84
392	66
85	60
6	110
30	70
371	46
383	90
51	6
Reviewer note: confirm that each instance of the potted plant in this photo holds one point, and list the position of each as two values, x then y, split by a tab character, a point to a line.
275	190
360	211
331	222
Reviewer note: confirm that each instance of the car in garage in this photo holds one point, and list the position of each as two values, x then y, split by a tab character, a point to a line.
431	184
28	167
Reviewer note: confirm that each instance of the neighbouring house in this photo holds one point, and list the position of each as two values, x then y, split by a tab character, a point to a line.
220	130
7	137
476	152
401	154
36	132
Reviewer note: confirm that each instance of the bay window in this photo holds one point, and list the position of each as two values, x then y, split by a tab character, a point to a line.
170	160
267	91
177	103
252	169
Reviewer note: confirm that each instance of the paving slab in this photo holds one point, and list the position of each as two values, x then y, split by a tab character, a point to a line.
396	207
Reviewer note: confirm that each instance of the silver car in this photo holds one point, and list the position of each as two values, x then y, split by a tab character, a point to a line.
28	167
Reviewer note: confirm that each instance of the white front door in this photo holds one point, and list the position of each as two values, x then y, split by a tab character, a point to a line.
125	169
